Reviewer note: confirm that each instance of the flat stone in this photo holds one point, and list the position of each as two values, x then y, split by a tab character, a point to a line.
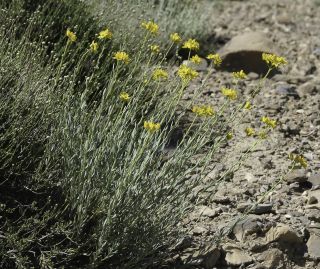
235	256
271	258
283	234
221	199
297	175
257	209
313	245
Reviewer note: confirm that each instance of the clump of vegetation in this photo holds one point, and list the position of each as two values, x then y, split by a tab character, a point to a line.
86	120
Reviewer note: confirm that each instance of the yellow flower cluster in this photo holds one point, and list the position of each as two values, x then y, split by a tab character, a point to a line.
196	59
151	126
229	135
94	47
298	159
191	44
105	34
71	36
249	131
215	58
186	73
230	93
239	75
121	56
203	110
271	123
175	38
273	60
155	48
159	74
152	27
247	105
124	96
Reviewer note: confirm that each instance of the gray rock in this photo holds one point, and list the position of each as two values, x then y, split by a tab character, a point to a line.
221	199
198	230
246	227
314	196
313	212
206	256
297	175
313	245
244	51
271	258
236	256
256	209
283	234
208	212
286	89
284	19
315	179
306	88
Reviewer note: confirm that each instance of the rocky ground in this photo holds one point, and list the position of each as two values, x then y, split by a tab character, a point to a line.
283	230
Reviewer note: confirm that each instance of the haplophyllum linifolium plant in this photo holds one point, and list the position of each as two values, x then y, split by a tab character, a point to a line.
114	172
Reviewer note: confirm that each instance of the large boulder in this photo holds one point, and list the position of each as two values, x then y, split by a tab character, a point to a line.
244	52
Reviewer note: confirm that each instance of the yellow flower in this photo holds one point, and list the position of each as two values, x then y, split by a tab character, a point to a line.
249	131
175	38
71	36
186	73
94	46
273	60
191	44
239	75
105	34
121	56
298	159
151	126
155	48
124	97
215	58
203	110
230	93
159	74
271	123
229	135
196	59
247	105
151	27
